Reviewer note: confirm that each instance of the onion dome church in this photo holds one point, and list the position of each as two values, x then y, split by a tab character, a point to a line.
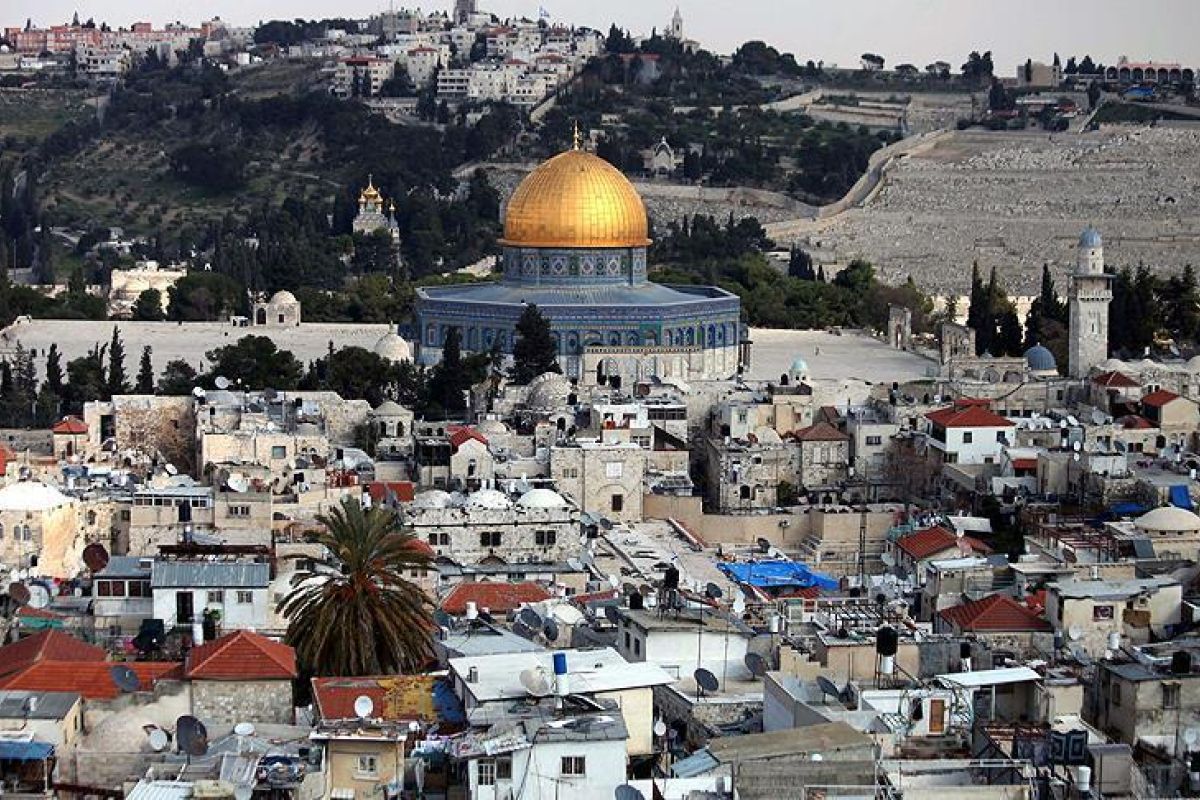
371	214
574	244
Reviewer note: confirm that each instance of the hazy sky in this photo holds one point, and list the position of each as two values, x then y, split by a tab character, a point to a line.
917	31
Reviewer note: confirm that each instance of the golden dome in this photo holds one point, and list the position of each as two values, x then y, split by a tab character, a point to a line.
369	194
575	199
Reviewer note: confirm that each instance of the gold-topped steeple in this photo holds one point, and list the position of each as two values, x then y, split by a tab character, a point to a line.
369	194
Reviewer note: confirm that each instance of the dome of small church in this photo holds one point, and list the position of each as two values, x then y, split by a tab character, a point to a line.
548	391
1168	519
282	297
1090	238
1040	359
799	366
575	199
392	347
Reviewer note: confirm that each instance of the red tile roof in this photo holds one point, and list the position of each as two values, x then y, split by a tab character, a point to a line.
47	646
241	655
461	435
1159	398
998	612
93	679
972	416
807	593
931	541
395	697
1136	422
71	425
594	597
1117	380
497	598
1024	463
382	491
820	432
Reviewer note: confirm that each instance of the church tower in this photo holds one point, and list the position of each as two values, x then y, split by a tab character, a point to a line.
1089	295
676	29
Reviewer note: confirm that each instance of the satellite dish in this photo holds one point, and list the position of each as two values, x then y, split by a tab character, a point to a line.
713	592
1076	446
627	792
39	596
270	394
191	735
611	614
535	682
756	664
242	792
828	687
550	630
171	470
575	564
237	483
660	728
125	678
523	630
222	382
95	556
244	729
1075	633
159	739
363	707
530	617
19	592
739	605
198	393
706	680
1075	457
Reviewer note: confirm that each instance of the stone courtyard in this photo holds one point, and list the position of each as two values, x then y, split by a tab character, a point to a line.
1018	200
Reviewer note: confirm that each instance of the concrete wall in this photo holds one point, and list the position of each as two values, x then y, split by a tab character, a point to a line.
231	702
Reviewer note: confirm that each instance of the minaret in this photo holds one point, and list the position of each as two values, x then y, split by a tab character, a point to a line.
1089	295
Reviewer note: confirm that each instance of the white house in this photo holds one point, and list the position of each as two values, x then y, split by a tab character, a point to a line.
494	681
682	643
969	433
239	590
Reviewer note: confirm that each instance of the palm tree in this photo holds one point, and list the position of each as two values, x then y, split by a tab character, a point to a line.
354	613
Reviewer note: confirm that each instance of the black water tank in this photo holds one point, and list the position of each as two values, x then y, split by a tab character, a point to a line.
1181	662
886	641
964	649
671	578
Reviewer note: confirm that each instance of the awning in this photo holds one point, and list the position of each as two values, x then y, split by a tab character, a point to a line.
24	750
1181	498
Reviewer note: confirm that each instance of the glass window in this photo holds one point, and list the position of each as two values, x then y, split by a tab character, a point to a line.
216	596
574	766
967	437
618	502
367	766
279	451
245	597
104	588
1170	695
504	768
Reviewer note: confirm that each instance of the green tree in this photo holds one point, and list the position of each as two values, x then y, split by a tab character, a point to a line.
117	378
86	380
145	376
148	306
534	349
356	373
205	296
54	373
450	379
178	378
254	362
355	613
1181	305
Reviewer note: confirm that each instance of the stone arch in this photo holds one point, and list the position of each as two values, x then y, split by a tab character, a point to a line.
260	316
631	338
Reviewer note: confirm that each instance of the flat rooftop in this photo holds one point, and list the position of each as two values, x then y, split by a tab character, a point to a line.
590	671
852	356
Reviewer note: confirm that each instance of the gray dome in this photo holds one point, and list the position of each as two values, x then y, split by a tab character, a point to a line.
393	348
1039	359
1090	238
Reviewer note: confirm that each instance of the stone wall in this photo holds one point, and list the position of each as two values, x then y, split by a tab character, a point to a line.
231	702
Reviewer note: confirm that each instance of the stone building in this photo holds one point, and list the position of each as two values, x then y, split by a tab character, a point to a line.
281	311
744	474
539	526
603	479
126	285
242	677
824	460
39	530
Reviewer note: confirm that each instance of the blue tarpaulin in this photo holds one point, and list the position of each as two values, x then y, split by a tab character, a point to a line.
1181	497
1128	509
777	575
24	751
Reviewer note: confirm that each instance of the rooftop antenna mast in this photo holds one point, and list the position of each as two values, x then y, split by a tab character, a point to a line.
862	549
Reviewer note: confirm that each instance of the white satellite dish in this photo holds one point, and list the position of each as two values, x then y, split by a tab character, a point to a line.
171	470
660	728
39	596
244	729
1075	633
363	706
198	393
159	740
1076	446
222	382
535	682
237	483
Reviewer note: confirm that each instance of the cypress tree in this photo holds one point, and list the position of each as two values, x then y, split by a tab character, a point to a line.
145	376
54	373
116	364
534	350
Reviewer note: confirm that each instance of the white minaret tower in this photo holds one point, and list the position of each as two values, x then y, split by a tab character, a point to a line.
677	25
1089	295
